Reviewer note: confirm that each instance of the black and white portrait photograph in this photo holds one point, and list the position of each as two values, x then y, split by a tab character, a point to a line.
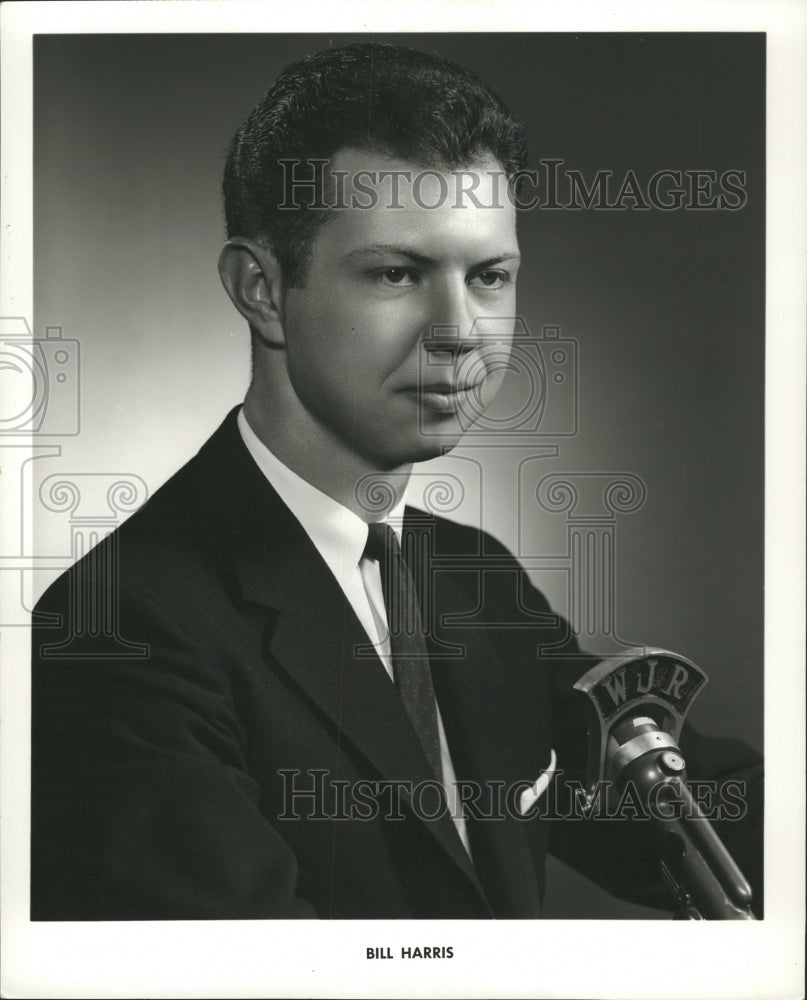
402	459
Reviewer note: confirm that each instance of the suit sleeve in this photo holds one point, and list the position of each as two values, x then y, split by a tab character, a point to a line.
621	855
142	804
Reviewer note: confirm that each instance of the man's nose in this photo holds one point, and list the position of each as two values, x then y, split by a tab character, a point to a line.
452	326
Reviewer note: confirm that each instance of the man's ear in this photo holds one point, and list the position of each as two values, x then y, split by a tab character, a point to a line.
254	282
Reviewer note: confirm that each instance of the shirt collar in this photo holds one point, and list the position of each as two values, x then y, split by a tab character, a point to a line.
338	534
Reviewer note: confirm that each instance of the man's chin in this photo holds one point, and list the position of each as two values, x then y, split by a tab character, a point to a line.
423	448
434	445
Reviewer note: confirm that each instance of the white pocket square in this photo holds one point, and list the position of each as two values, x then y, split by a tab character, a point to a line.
531	795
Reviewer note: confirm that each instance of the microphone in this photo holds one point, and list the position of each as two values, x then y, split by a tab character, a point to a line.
638	703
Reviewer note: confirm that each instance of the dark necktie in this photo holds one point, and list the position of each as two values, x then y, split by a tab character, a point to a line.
408	652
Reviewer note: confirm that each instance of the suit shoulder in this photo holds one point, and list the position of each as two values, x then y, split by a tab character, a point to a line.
454	537
176	539
155	535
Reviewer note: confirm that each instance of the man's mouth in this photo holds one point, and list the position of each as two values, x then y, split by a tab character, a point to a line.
447	397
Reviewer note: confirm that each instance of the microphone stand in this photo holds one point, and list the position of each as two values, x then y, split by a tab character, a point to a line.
640	701
703	878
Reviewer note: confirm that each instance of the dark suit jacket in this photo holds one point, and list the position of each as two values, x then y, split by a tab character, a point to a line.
205	709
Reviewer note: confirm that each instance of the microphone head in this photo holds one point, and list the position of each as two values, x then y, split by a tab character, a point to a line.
644	690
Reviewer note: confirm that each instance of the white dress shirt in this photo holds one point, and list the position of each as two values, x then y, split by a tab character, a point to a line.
340	537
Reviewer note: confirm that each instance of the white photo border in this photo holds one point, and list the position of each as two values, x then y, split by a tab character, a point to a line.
617	959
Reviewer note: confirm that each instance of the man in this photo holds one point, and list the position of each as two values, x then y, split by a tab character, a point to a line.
331	706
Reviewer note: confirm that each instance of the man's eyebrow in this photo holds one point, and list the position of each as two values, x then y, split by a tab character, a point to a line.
419	258
511	255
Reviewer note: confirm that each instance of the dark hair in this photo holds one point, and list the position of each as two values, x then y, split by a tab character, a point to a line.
390	99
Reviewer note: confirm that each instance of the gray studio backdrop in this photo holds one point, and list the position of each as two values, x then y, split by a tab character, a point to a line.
659	311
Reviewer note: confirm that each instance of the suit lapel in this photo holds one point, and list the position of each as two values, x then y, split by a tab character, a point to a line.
318	641
480	727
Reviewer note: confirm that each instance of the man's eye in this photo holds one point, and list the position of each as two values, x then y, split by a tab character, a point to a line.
489	279
398	276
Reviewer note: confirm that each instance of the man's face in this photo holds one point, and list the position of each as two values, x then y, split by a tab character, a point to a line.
378	283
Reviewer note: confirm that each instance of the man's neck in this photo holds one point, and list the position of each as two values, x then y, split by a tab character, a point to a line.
327	462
